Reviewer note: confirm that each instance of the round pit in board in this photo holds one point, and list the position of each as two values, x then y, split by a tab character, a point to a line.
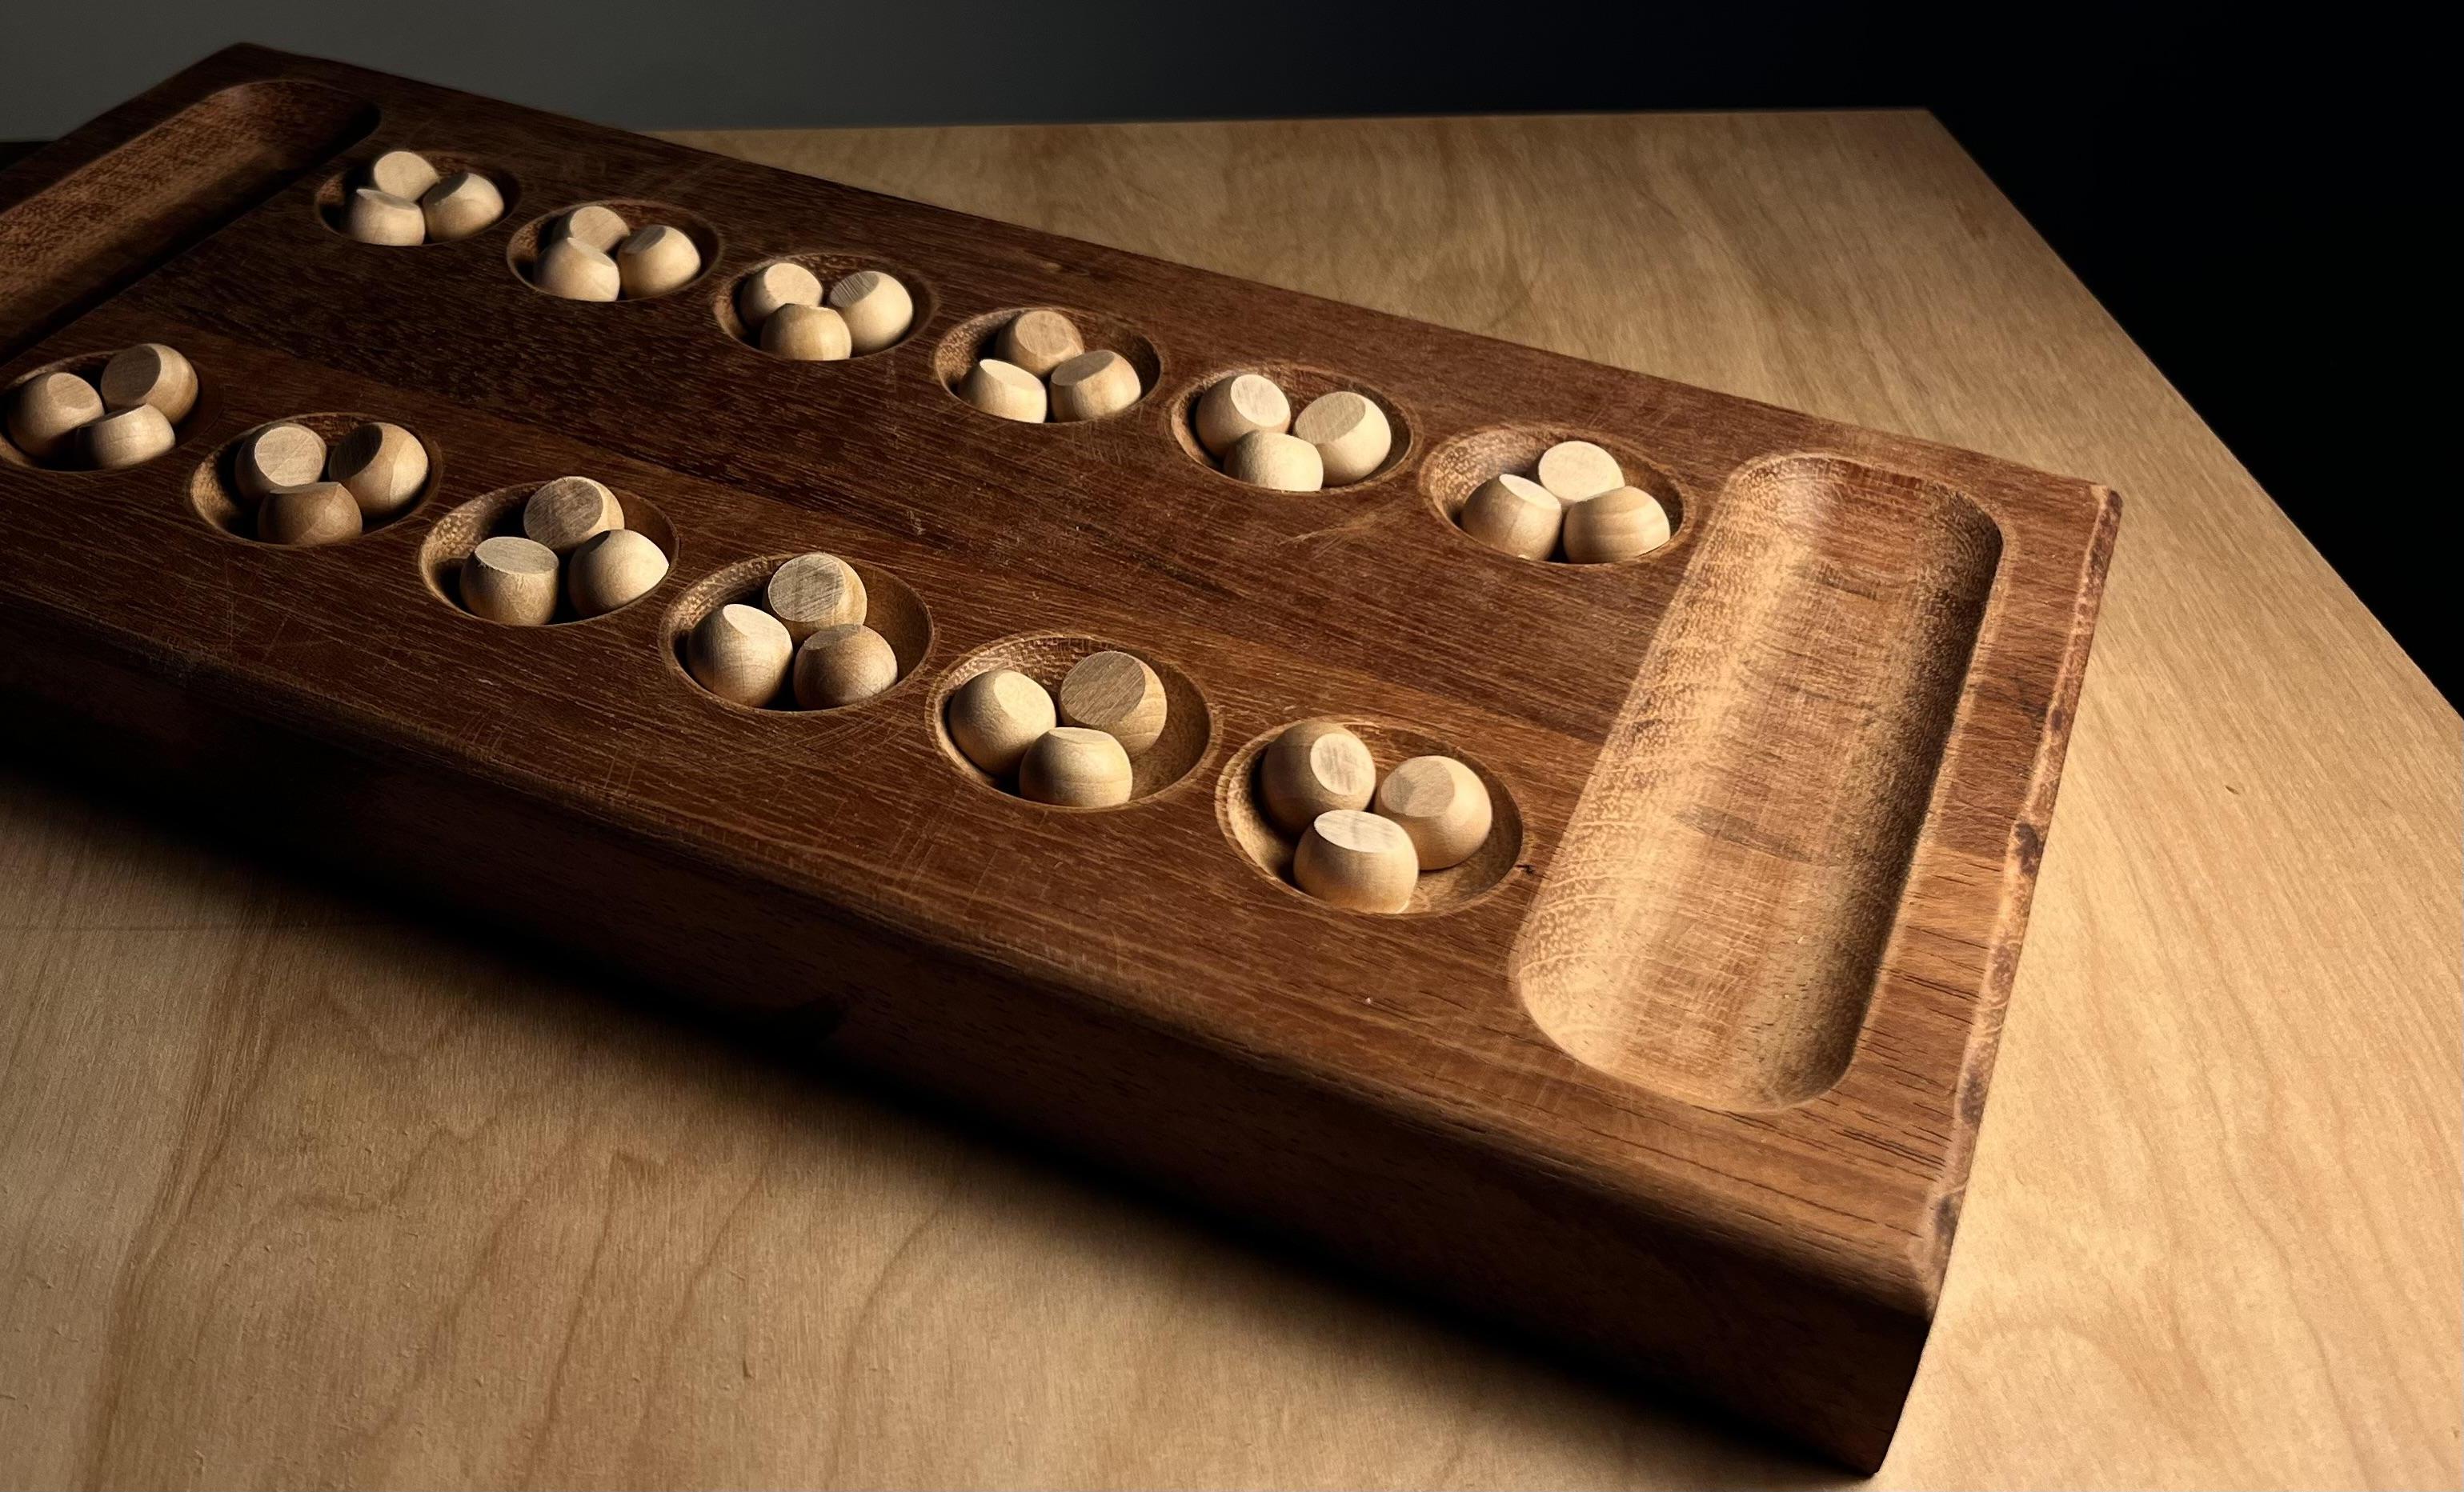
1366	816
1290	428
315	479
821	306
1553	495
1048	365
618	248
496	557
100	412
403	198
1071	722
799	633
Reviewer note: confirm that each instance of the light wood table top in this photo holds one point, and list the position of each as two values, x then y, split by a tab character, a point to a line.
296	1187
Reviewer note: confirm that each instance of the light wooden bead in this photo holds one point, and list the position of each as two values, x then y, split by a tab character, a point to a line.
1038	341
1358	861
657	260
806	334
150	373
996	715
1350	432
1005	390
461	205
781	282
1093	384
510	579
379	217
1441	804
567	511
383	465
741	653
876	307
1514	514
1312	768
610	569
1575	470
278	456
1074	767
320	512
1237	406
403	174
1118	695
1285	463
47	411
844	664
128	438
814	591
1619	524
593	226
575	271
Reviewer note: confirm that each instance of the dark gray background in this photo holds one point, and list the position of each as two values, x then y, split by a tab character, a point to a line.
2223	188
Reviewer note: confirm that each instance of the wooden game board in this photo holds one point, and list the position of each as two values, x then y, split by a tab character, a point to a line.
1682	1073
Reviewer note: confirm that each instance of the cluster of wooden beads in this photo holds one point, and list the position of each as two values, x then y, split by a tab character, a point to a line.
786	315
1576	506
1040	368
1245	423
123	418
807	641
573	540
592	254
1075	752
1364	843
303	495
402	199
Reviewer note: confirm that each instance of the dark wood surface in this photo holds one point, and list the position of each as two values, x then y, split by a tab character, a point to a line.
1746	1180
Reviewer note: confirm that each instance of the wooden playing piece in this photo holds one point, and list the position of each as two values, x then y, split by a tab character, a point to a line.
1314	768
1441	804
1075	767
575	271
844	664
1117	693
1238	406
806	334
781	282
565	512
1285	463
383	465
402	173
1005	389
461	205
1514	514
1358	861
593	226
656	261
1576	470
149	373
47	411
1350	432
379	217
317	513
130	437
1038	342
996	715
814	591
1093	384
611	568
1619	524
512	580
277	456
741	653
877	309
